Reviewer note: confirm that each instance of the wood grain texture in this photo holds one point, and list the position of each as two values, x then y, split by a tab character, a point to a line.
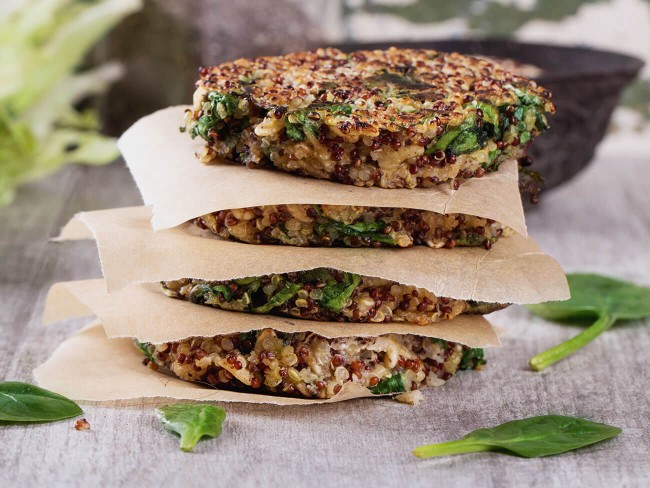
599	222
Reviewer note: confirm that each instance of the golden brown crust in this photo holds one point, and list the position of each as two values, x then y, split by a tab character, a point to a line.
399	118
433	83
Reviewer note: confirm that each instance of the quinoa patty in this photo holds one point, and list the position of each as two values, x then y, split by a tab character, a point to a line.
399	118
327	295
311	366
350	226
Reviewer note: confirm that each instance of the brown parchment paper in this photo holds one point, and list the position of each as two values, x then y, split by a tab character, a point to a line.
513	271
89	367
140	310
179	187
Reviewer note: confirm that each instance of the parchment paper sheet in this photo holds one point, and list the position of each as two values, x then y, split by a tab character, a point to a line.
143	311
179	187
89	367
513	271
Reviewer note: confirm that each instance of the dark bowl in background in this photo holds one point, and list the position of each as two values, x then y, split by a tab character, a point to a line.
586	86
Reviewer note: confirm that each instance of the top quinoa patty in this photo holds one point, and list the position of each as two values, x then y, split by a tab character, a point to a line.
399	118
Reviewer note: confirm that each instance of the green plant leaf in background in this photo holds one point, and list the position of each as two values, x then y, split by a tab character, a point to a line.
192	421
42	44
487	18
532	437
22	402
593	297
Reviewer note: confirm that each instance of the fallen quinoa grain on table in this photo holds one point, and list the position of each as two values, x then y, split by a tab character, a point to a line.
350	226
82	424
325	294
399	118
311	366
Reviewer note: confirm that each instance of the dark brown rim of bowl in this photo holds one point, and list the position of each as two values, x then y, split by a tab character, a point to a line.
558	62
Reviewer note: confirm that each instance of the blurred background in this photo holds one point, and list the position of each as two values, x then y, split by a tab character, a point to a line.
72	68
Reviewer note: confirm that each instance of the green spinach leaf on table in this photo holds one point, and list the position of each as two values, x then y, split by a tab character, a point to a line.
593	297
545	435
192	421
22	402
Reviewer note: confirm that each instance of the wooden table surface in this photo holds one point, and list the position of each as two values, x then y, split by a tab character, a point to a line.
598	222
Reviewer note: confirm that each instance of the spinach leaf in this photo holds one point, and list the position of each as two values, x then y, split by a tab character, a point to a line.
394	384
490	112
22	402
317	274
298	123
490	117
532	437
203	292
247	281
465	138
364	227
471	359
592	297
444	141
335	295
202	127
334	108
224	290
370	230
469	140
289	290
144	348
222	106
192	421
492	155
294	131
199	292
526	97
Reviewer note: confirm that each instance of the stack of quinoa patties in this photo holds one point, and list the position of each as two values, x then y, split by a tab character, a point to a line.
396	119
327	273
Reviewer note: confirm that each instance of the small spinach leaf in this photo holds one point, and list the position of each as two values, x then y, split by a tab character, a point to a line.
369	230
532	437
289	290
317	274
465	138
469	140
222	106
223	290
335	295
592	297
144	348
394	384
294	131
22	402
298	123
472	358
334	108
204	293
200	292
192	421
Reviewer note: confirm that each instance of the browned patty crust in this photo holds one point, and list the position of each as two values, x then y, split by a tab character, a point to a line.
398	118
